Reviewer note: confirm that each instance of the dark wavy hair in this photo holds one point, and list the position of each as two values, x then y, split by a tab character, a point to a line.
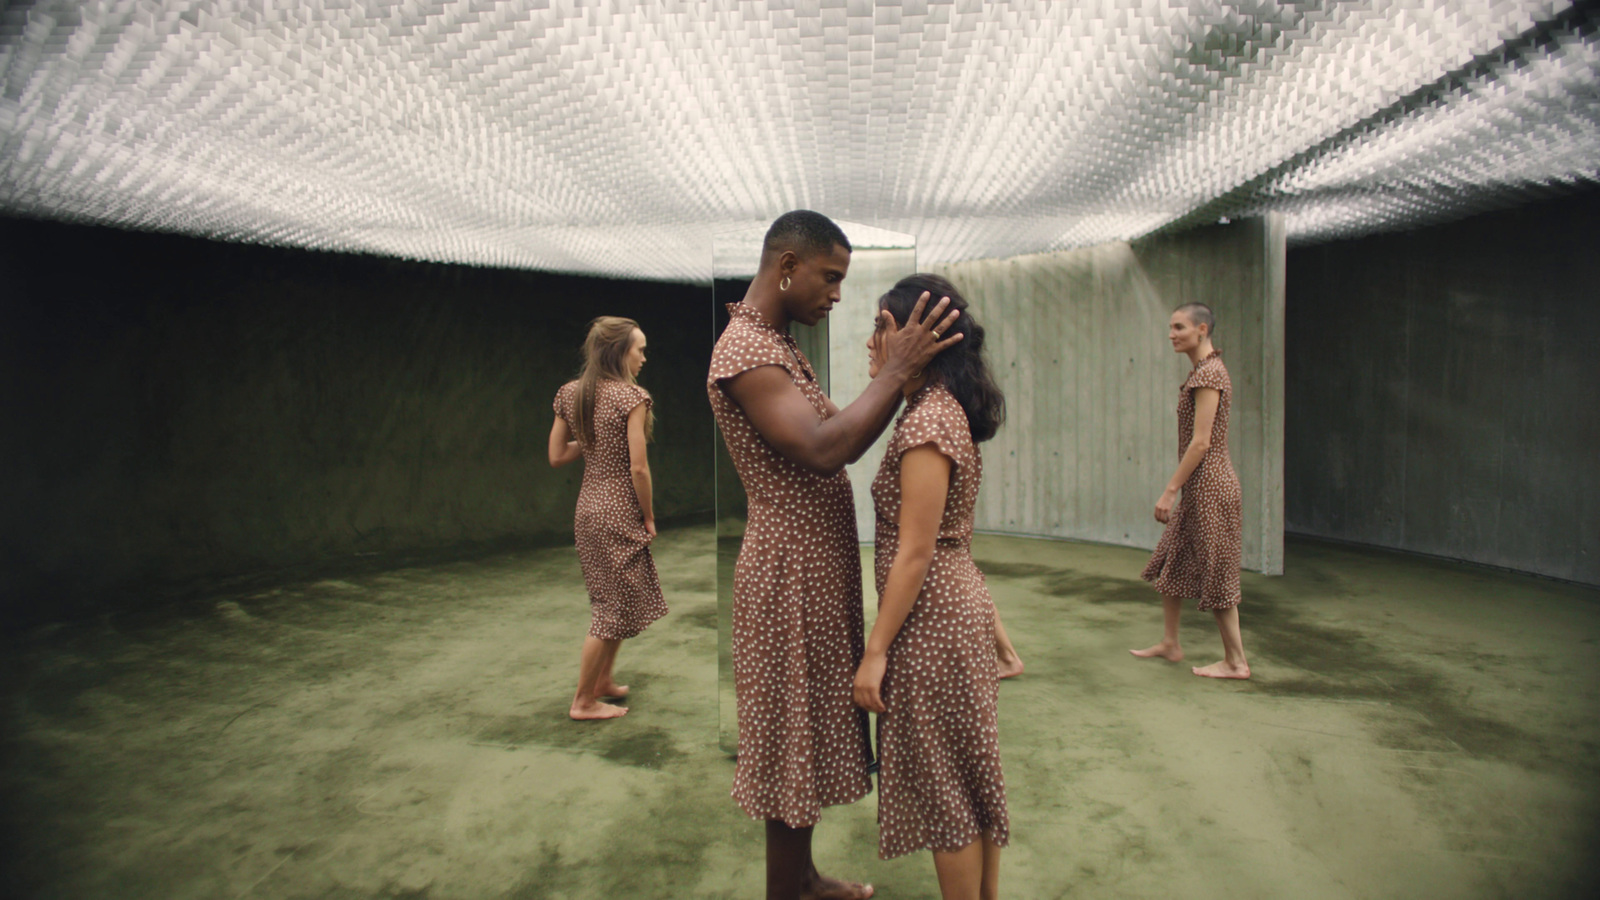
961	368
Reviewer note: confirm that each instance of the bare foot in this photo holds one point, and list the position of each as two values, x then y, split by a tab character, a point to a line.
1010	668
596	710
821	888
612	690
1222	670
1169	652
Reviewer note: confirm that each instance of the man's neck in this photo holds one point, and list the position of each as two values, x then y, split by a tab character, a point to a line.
765	301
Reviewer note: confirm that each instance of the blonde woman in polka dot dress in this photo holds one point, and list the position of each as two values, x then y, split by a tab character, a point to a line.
605	419
797	623
929	671
1202	548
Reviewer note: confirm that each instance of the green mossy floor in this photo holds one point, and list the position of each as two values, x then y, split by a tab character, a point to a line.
1414	730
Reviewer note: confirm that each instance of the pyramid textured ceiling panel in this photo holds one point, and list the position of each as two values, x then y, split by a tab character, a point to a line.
616	138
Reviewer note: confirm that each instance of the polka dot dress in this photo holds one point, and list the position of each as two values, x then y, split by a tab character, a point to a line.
797	622
613	546
1200	553
940	785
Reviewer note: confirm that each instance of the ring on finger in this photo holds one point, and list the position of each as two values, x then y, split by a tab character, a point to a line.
936	334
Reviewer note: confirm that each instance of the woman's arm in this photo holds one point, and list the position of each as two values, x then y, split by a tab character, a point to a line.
924	481
1206	401
563	447
639	465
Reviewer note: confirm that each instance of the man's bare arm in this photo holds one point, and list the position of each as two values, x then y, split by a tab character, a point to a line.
787	420
789	423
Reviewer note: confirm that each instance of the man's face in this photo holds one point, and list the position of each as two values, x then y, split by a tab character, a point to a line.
814	285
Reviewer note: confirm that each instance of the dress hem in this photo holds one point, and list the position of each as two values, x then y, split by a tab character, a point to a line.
934	847
801	822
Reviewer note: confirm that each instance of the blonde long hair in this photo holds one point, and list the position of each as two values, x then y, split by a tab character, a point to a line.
605	355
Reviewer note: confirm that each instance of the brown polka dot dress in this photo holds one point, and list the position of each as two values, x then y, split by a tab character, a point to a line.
940	785
797	622
613	545
1200	553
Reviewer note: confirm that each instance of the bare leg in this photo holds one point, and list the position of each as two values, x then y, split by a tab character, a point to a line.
1233	664
1169	648
1010	662
607	686
586	704
791	875
991	871
960	872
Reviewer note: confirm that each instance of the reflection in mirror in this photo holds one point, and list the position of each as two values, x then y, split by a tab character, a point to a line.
836	348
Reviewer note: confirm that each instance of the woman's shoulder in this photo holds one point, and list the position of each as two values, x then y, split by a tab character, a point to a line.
937	417
1211	373
944	406
625	394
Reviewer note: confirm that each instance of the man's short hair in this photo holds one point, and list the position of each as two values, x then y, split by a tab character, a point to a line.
805	232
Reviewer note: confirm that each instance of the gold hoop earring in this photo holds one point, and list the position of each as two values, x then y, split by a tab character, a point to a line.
914	375
784	284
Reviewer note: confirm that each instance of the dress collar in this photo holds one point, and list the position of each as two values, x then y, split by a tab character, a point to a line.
743	310
917	396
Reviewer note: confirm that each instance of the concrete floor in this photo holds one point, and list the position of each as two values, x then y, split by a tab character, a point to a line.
1415	729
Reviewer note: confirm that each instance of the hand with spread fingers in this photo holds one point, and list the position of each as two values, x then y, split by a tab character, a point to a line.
907	350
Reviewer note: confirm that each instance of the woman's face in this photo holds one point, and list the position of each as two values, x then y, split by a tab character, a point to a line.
635	358
875	348
1183	334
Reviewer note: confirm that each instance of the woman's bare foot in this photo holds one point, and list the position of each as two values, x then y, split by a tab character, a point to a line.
1010	668
821	888
596	710
1222	669
618	691
1167	651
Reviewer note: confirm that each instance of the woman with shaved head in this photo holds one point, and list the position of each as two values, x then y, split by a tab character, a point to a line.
1201	550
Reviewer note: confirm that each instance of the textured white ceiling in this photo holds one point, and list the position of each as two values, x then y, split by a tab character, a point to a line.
617	137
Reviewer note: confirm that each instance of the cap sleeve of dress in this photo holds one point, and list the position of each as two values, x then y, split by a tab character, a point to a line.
563	401
939	421
1209	374
744	348
638	395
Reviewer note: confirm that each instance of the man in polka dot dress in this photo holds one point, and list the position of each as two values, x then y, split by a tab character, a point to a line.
797	623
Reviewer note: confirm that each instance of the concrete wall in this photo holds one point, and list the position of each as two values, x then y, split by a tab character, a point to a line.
176	408
1442	390
1078	342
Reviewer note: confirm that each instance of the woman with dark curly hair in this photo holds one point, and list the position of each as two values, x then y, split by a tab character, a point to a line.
930	669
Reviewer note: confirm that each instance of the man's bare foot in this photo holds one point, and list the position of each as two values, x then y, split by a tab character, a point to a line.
612	690
1222	670
1010	668
821	888
1169	652
596	710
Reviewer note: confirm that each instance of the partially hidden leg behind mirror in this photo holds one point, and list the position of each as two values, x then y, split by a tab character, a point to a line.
1169	648
586	702
1233	664
1010	662
971	873
791	873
